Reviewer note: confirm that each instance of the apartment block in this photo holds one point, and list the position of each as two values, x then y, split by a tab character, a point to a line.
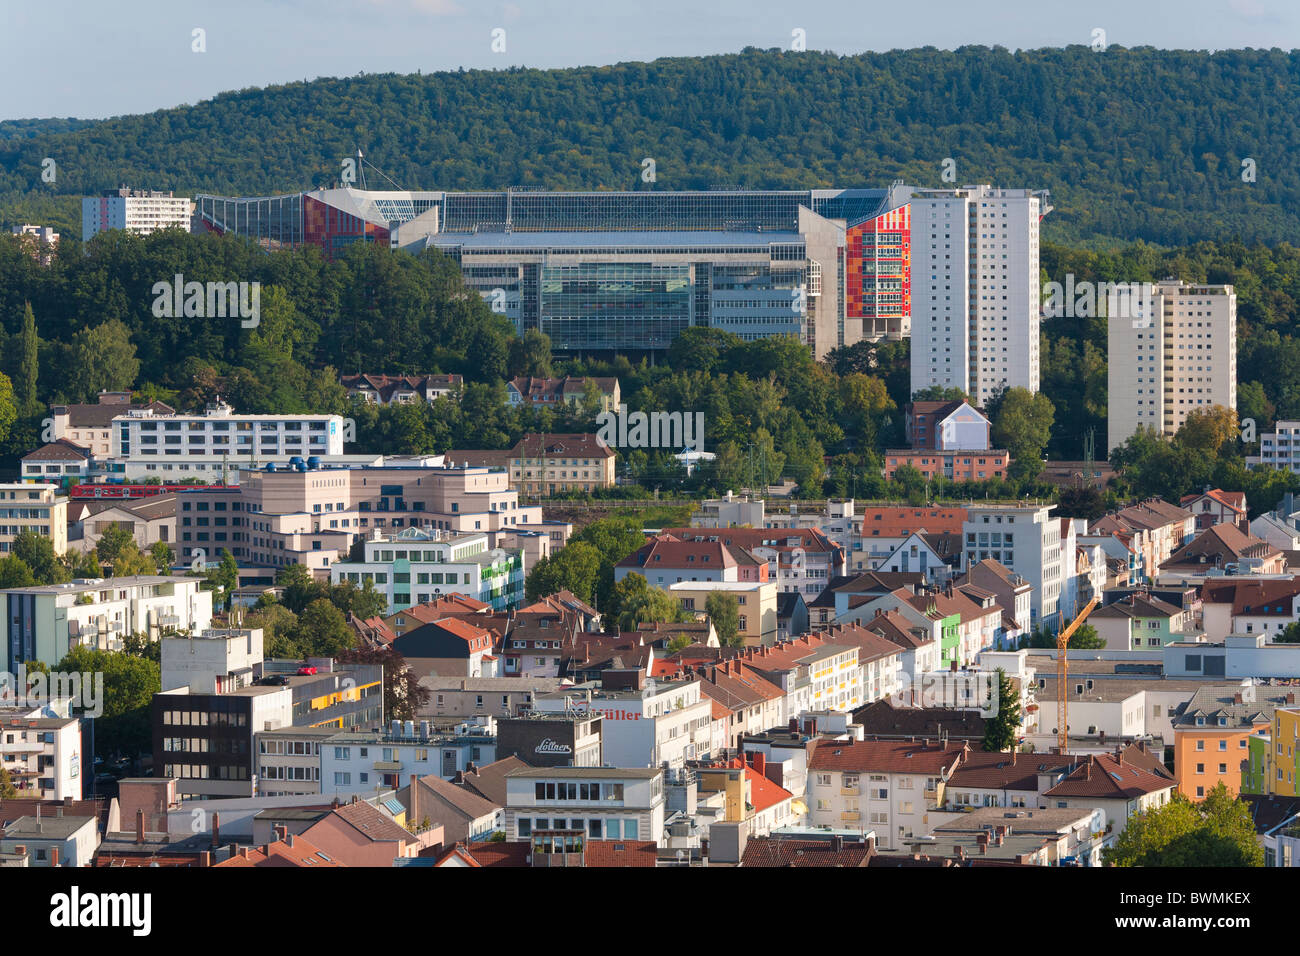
596	802
141	211
42	755
220	432
33	507
1158	373
43	623
1025	540
975	289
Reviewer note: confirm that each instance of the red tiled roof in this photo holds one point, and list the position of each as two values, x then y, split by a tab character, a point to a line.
782	852
1104	776
885	756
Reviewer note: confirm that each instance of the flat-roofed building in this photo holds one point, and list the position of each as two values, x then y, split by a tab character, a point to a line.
33	507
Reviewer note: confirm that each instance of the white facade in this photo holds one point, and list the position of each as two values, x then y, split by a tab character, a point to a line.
664	723
357	762
416	566
1026	540
602	802
215	662
220	432
42	755
1156	375
140	210
1279	448
44	622
975	289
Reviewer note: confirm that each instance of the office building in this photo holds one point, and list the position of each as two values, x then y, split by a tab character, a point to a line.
415	566
975	289
1158	374
142	432
628	271
141	211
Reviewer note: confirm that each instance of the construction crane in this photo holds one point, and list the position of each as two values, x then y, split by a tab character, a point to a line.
1063	674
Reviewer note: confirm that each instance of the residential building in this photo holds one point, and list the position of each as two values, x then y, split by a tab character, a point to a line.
44	622
802	560
756	603
544	739
1279	448
471	697
1159	370
213	661
1225	548
544	464
141	211
402	389
749	797
975	289
359	761
568	392
33	507
1118	785
463	814
1141	621
948	464
1150	531
1282	773
288	760
666	559
42	754
147	520
882	786
945	426
362	834
1057	837
1212	730
1026	540
62	460
1215	506
601	803
52	839
91	426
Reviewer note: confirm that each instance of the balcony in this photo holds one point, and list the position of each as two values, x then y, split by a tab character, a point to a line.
387	766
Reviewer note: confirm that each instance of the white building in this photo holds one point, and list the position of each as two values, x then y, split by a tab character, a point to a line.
658	723
369	760
1157	374
604	803
42	755
1279	448
214	662
416	566
140	210
44	622
1026	540
975	289
220	432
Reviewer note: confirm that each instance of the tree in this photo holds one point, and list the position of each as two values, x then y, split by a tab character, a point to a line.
677	643
633	601
575	567
1086	638
25	370
1022	423
37	552
225	578
723	610
530	355
103	358
322	630
300	587
1000	729
8	407
365	601
404	696
112	542
163	556
1218	832
7	789
129	684
14	573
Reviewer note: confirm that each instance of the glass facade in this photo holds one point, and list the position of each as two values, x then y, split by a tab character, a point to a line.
615	305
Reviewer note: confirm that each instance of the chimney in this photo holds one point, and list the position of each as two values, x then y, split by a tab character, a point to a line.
139	826
415	799
281	831
243	851
54	856
961	851
216	830
760	764
205	858
984	848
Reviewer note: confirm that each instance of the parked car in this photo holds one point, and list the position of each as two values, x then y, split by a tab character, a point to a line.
306	671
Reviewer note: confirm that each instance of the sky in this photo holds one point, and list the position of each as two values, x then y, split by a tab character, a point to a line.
94	59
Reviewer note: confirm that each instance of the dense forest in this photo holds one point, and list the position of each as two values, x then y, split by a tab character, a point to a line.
1133	143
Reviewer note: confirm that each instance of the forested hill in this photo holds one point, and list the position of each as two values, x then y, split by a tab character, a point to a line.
1139	143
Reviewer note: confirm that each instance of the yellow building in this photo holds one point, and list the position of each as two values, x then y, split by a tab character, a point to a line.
1283	766
755	600
33	507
